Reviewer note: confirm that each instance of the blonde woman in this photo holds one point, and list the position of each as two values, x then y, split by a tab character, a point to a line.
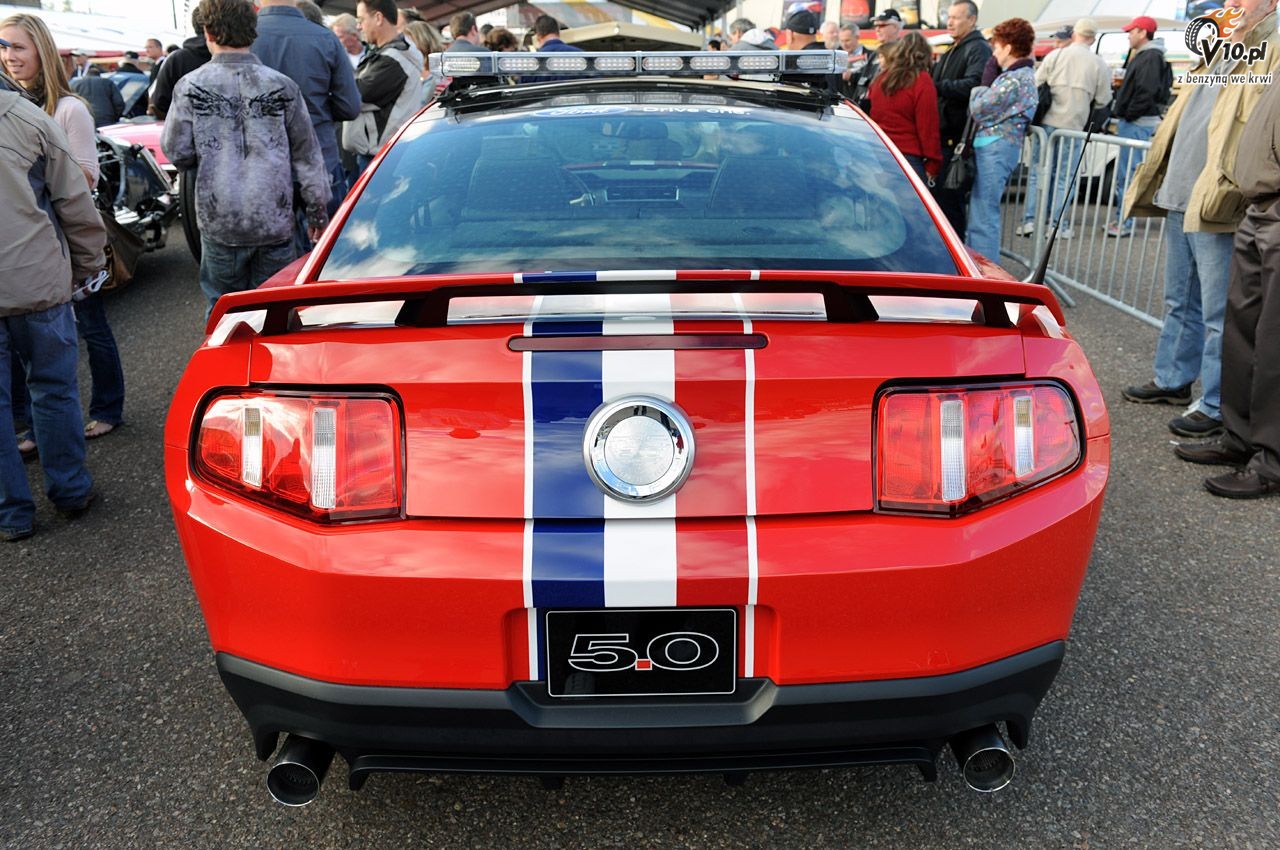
427	39
32	60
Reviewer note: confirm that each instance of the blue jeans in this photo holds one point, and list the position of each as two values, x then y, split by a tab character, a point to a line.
996	161
917	165
227	268
1195	298
1063	158
1127	159
46	342
106	399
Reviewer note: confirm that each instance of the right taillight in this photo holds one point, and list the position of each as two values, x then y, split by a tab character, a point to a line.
325	457
952	450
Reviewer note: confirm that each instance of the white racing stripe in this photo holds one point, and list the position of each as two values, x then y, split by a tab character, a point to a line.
526	382
753	554
639	539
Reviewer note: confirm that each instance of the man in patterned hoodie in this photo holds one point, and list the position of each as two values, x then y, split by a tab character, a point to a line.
246	129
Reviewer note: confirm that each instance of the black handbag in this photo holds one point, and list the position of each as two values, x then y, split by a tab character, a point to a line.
961	170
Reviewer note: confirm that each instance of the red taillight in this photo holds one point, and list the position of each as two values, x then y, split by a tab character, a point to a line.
327	457
955	450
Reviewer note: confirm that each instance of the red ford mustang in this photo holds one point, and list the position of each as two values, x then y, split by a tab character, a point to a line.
632	424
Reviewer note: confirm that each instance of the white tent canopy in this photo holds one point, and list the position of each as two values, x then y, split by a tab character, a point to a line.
96	33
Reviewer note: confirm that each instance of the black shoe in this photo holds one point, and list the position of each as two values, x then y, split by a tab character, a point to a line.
1241	484
77	510
1195	424
1212	453
15	536
1151	393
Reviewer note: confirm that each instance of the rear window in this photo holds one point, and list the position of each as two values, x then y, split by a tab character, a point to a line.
597	186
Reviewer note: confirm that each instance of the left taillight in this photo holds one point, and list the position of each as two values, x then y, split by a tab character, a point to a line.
325	457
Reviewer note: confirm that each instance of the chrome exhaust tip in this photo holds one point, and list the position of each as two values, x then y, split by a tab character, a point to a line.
295	778
985	761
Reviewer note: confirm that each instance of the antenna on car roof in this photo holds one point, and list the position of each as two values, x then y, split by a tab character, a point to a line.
1042	267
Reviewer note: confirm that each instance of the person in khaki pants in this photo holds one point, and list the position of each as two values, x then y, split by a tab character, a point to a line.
1251	329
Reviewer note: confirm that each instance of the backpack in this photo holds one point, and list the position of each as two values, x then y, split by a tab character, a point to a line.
1045	100
1165	95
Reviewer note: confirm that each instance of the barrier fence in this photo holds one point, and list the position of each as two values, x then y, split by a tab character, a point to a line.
1125	271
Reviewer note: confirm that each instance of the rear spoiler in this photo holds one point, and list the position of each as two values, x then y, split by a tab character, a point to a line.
846	295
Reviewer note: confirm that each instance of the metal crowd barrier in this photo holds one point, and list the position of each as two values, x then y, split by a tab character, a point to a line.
1126	272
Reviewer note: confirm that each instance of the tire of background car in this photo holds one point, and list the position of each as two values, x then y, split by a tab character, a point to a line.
187	197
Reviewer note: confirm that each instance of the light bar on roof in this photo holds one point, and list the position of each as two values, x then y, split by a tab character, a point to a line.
667	63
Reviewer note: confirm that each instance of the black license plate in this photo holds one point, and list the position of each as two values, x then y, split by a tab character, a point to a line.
642	652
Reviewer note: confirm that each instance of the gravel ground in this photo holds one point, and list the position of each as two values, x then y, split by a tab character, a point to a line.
1163	729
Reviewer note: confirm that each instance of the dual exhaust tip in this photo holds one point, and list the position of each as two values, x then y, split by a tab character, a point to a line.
294	780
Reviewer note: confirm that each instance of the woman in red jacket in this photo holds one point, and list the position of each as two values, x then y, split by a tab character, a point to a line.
905	104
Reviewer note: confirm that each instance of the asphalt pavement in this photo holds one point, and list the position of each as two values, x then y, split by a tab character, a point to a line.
1162	730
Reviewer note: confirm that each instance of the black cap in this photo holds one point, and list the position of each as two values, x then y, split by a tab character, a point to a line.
1064	32
888	15
131	54
803	21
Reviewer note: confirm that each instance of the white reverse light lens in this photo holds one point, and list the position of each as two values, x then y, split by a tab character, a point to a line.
662	63
251	447
517	64
1024	442
615	63
953	471
710	63
758	63
324	457
460	65
566	63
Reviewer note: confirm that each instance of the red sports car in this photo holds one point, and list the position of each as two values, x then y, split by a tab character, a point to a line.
637	423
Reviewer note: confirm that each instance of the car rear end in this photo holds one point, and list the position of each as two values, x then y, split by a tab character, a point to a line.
817	509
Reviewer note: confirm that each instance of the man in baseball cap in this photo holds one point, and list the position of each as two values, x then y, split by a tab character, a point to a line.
1146	90
803	26
888	26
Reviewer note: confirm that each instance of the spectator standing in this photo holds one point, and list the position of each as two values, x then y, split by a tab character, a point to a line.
313	58
245	156
546	39
193	53
310	11
347	30
389	79
427	39
407	16
854	81
133	85
1062	37
155	54
802	29
1251	329
830	32
954	76
80	63
1185	177
1002	109
498	39
50	234
102	96
1146	90
1080	82
737	30
466	36
905	104
32	60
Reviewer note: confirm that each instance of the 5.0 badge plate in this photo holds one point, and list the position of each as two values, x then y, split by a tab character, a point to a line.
642	652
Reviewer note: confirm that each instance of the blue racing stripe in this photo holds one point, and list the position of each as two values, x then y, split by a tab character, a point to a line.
568	563
559	277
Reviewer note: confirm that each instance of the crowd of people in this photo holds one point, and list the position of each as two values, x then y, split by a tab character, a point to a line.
327	98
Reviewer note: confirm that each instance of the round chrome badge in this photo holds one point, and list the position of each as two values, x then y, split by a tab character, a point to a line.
639	448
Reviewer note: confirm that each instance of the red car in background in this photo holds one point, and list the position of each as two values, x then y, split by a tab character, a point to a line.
637	423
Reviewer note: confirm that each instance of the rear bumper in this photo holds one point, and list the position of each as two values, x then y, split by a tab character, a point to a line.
521	730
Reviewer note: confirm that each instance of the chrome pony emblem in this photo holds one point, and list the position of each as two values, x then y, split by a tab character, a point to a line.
638	448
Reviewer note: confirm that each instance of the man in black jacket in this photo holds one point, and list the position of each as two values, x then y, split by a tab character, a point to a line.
954	76
103	96
193	53
1147	88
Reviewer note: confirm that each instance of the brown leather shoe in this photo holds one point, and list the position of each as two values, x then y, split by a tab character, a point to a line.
1241	484
1213	453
